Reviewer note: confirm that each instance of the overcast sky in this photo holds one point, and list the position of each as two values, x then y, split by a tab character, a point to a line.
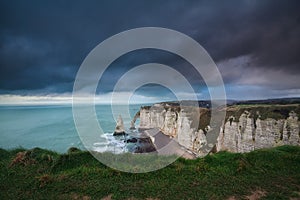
255	44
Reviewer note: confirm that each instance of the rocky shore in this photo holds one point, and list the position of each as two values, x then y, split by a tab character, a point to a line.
142	143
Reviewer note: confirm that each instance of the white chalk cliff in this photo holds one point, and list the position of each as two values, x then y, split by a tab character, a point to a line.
178	123
189	126
248	134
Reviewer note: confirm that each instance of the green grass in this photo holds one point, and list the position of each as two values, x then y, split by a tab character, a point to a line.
42	174
264	111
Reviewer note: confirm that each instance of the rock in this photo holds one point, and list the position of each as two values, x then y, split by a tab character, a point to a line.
291	130
132	123
132	140
146	147
177	123
132	126
248	134
199	140
152	117
119	130
247	129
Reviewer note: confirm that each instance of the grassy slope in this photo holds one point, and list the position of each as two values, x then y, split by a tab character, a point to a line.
42	174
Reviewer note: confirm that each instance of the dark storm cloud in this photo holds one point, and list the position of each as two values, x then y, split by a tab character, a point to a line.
143	56
267	30
42	43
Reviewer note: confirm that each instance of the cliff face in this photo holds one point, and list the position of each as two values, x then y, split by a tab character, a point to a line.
249	132
182	124
245	128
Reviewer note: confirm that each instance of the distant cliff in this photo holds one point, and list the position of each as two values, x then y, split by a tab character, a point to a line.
245	128
249	127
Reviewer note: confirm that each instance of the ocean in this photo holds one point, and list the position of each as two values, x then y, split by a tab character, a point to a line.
52	127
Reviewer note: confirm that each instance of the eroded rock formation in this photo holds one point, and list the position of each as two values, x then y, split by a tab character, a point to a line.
180	123
119	130
244	129
250	132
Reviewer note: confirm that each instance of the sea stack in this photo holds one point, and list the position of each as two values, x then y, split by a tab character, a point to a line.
132	126
119	130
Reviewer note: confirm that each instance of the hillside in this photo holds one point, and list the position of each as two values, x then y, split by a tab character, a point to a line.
41	174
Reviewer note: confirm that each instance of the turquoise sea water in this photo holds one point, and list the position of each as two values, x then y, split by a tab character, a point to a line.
52	127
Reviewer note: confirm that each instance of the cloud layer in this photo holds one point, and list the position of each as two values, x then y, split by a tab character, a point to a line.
255	44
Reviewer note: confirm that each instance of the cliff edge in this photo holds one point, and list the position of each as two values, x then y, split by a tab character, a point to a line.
250	127
245	127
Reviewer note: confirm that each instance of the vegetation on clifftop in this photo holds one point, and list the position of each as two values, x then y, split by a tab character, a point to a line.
41	174
264	111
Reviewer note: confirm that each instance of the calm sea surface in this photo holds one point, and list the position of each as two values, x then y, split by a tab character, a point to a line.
52	127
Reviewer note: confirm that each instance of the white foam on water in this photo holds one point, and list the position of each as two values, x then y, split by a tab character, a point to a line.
111	144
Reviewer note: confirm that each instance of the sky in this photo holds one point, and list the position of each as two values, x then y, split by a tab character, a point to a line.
255	45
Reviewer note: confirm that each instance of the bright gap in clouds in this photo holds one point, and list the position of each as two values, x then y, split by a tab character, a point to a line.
145	95
152	93
142	95
242	92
